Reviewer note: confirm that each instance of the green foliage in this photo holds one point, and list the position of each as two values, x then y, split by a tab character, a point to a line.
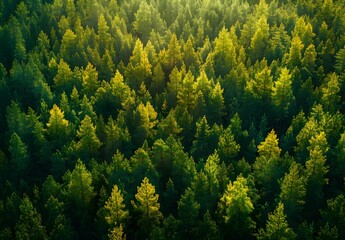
96	96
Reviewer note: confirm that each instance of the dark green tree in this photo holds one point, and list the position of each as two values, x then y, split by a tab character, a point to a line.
29	225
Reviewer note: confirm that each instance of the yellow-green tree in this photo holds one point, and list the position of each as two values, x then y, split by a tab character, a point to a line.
88	143
116	213
147	207
235	207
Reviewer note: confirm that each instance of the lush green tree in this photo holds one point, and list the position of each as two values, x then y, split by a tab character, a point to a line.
261	86
80	194
293	193
282	96
116	214
57	225
174	86
88	143
295	53
172	56
29	225
117	234
190	56
223	58
259	41
235	207
20	157
142	166
139	67
57	126
268	165
333	214
228	148
188	214
144	122
186	96
201	145
216	105
147	206
276	226
330	93
316	170
90	82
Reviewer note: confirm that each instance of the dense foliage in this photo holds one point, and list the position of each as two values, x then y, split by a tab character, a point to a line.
172	119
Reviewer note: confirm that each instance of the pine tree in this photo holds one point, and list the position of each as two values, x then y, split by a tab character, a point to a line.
268	165
235	207
188	214
117	234
293	192
282	95
173	56
186	96
261	86
29	225
216	106
57	125
334	213
228	148
88	140
139	68
295	54
19	155
316	170
330	93
259	41
276	226
115	209
90	82
147	206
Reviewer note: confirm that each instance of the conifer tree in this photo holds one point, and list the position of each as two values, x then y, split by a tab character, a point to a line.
282	95
29	225
235	207
276	226
115	208
147	206
188	213
88	140
19	155
293	192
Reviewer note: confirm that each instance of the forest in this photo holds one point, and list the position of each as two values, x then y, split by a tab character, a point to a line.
172	119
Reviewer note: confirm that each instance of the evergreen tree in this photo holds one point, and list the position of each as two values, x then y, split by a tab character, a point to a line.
147	206
88	141
29	225
188	213
235	207
139	68
293	192
268	165
115	208
19	155
282	95
276	226
90	82
80	192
